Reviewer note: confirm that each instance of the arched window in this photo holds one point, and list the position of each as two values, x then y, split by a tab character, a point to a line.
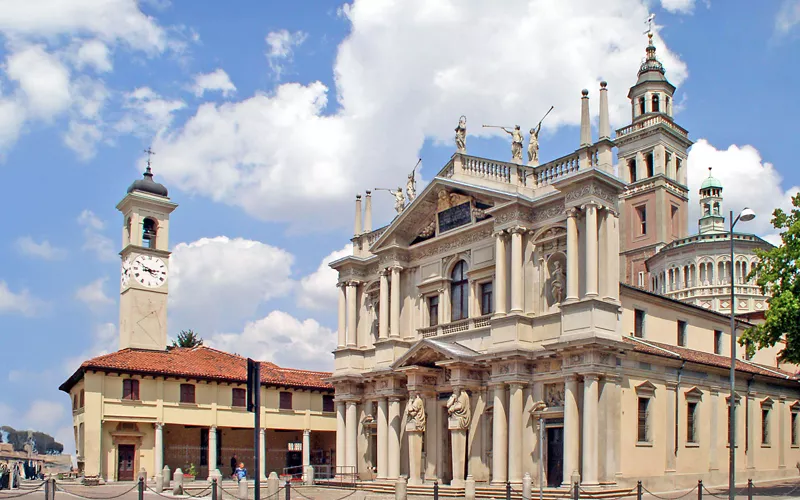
655	103
641	105
149	230
706	209
716	208
459	292
666	104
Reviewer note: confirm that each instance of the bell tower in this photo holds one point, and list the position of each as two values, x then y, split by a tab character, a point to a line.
712	220
652	154
145	255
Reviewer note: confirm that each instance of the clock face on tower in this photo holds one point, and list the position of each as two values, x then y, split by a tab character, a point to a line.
126	272
149	271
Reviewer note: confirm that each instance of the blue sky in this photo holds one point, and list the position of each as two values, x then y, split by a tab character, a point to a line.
269	117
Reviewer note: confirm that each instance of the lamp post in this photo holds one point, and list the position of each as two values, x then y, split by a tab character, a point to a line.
745	215
539	408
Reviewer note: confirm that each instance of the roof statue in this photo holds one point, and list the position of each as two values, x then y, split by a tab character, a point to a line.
533	142
399	198
411	185
461	134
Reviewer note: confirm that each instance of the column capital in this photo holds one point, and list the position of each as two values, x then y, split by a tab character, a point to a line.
384	272
517	383
213	428
261	431
591	376
396	267
571	212
500	234
518	230
158	425
496	384
571	377
353	283
306	432
341	284
590	204
351	402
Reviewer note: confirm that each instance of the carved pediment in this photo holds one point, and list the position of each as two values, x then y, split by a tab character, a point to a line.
428	352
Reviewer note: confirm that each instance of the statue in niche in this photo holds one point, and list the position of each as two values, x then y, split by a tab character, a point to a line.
554	395
416	412
458	408
516	143
461	134
557	283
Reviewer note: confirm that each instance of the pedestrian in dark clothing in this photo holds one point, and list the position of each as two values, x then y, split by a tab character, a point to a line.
234	464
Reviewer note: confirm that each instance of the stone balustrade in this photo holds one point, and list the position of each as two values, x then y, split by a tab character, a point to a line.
650	122
462	325
550	172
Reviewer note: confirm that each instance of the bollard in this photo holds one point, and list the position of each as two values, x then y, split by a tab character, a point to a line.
159	483
215	478
166	474
638	490
288	490
576	494
141	488
177	479
273	485
436	490
214	489
401	489
47	490
527	484
700	489
308	473
508	490
749	489
469	488
243	489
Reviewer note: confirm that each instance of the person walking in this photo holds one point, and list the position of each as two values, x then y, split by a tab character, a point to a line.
234	463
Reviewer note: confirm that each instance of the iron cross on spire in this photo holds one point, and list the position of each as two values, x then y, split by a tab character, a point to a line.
150	153
649	24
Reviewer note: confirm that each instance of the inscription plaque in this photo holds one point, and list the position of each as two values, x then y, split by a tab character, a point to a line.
454	217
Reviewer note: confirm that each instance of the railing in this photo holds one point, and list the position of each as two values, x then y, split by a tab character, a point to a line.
550	172
461	325
650	122
488	169
338	475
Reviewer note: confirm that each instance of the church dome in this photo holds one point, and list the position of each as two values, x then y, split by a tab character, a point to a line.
148	185
710	182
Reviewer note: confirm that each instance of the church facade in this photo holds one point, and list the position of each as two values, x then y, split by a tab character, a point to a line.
146	405
487	326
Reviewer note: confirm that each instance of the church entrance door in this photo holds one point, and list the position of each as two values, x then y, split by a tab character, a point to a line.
125	467
555	456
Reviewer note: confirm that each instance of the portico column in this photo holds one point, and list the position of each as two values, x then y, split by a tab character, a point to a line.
499	436
351	423
342	315
383	439
395	299
394	438
590	416
500	306
383	306
306	449
159	447
515	407
516	270
572	254
212	449
571	428
262	443
352	290
341	438
591	250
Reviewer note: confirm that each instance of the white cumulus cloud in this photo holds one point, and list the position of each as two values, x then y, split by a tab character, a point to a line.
216	81
788	17
94	54
281	49
148	112
103	340
318	289
93	294
17	302
43	80
42	250
93	239
678	6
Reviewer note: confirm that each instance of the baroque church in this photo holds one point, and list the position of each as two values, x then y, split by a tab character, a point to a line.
560	310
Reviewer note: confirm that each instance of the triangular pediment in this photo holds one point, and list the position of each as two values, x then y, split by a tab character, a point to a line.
444	205
428	352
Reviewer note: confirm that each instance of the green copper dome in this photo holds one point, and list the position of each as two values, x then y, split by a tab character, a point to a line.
711	182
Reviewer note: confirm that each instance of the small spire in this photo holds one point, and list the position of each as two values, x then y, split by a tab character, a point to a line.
150	153
709	172
651	62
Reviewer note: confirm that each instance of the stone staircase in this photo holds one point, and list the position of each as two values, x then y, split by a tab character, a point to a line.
486	491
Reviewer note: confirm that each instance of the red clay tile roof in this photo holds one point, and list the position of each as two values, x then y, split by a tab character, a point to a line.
202	363
704	358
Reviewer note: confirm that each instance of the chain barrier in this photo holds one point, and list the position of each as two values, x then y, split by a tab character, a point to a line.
276	494
63	490
199	495
3	496
161	495
725	495
32	487
693	490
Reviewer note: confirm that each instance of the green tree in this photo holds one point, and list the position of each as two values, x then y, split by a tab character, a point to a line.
187	338
777	275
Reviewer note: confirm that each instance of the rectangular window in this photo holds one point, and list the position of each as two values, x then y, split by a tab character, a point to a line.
327	403
130	389
691	413
487	306
641	216
238	397
764	425
632	169
82	398
794	429
641	279
204	446
433	310
650	164
682	333
674	220
643	434
187	393
717	342
638	325
286	401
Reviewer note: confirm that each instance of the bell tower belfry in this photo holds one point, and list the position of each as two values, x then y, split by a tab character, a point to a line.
712	220
144	283
652	153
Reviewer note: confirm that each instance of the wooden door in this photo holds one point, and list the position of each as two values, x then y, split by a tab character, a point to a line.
555	456
125	466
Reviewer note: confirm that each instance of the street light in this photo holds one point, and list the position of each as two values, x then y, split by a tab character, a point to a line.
539	408
745	216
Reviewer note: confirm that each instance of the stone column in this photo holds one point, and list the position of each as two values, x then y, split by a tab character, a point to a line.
357	224
572	255
351	446
383	306
341	437
571	428
610	408
383	439
591	250
306	449
395	299
432	435
604	130
212	449
782	432
516	271
262	443
342	315
586	124
352	290
414	453
590	416
672	394
500	306
394	438
611	262
458	444
499	436
750	429
714	419
159	446
515	408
